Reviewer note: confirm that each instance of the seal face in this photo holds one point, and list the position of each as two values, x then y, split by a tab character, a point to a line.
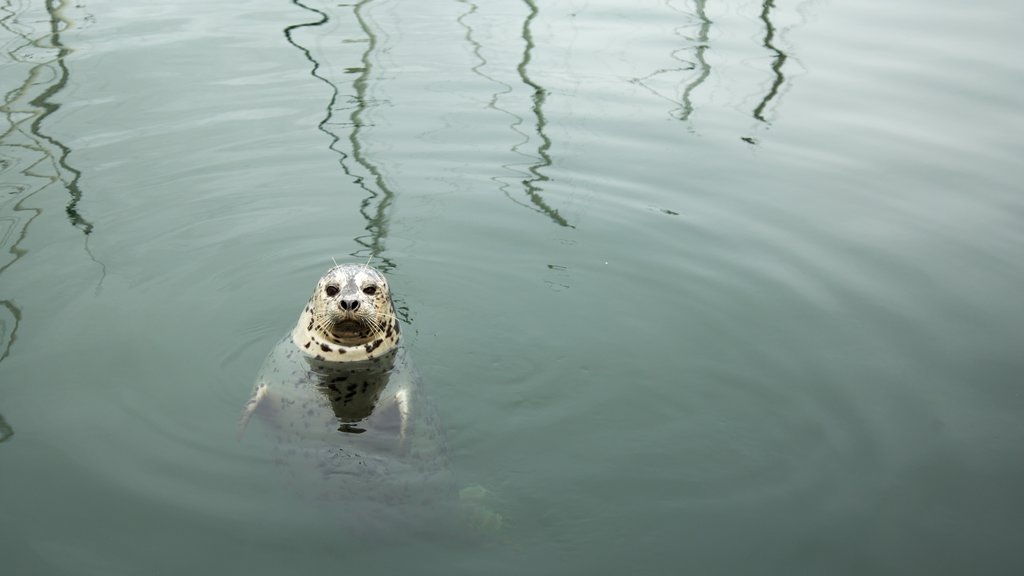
349	317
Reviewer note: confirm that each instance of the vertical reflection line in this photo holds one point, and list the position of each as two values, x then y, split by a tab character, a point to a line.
532	185
5	429
43	107
53	75
374	207
57	24
315	72
12	334
699	44
379	197
9	327
777	62
517	120
702	63
481	61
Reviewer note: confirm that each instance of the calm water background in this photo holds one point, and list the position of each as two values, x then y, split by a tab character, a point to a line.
697	287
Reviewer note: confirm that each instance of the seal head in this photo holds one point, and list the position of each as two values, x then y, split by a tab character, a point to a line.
349	317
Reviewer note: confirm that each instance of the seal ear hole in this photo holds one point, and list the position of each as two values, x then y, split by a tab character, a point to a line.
370	290
331	290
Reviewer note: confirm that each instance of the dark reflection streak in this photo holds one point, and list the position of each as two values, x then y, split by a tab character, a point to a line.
57	23
9	334
40	108
533	189
13	334
375	205
506	89
778	62
5	429
43	108
478	69
315	72
699	46
517	120
702	63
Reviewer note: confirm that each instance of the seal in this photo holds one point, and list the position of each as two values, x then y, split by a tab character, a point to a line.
341	397
346	407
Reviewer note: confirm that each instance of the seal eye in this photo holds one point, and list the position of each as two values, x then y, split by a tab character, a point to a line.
331	290
370	290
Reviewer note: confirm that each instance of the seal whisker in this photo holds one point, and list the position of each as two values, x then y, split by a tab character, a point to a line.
384	316
376	326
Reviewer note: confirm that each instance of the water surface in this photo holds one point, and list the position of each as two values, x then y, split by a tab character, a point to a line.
710	287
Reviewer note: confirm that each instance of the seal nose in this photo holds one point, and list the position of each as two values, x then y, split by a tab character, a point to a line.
349	305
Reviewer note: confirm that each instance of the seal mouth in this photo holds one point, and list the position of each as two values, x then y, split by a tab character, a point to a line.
349	329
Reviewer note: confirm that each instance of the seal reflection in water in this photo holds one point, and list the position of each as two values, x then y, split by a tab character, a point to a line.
343	402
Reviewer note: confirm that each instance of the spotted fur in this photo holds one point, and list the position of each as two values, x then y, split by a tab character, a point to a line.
349	317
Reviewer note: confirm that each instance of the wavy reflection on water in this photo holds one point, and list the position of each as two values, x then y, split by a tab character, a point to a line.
533	177
5	429
700	61
698	45
32	161
28	105
9	321
697	69
482	62
778	61
354	162
532	185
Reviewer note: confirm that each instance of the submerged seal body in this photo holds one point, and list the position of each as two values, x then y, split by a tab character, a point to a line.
344	402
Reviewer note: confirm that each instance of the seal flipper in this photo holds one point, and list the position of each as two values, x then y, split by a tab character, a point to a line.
389	422
402	401
250	407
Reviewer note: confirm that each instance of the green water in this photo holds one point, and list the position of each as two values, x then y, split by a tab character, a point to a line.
696	287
